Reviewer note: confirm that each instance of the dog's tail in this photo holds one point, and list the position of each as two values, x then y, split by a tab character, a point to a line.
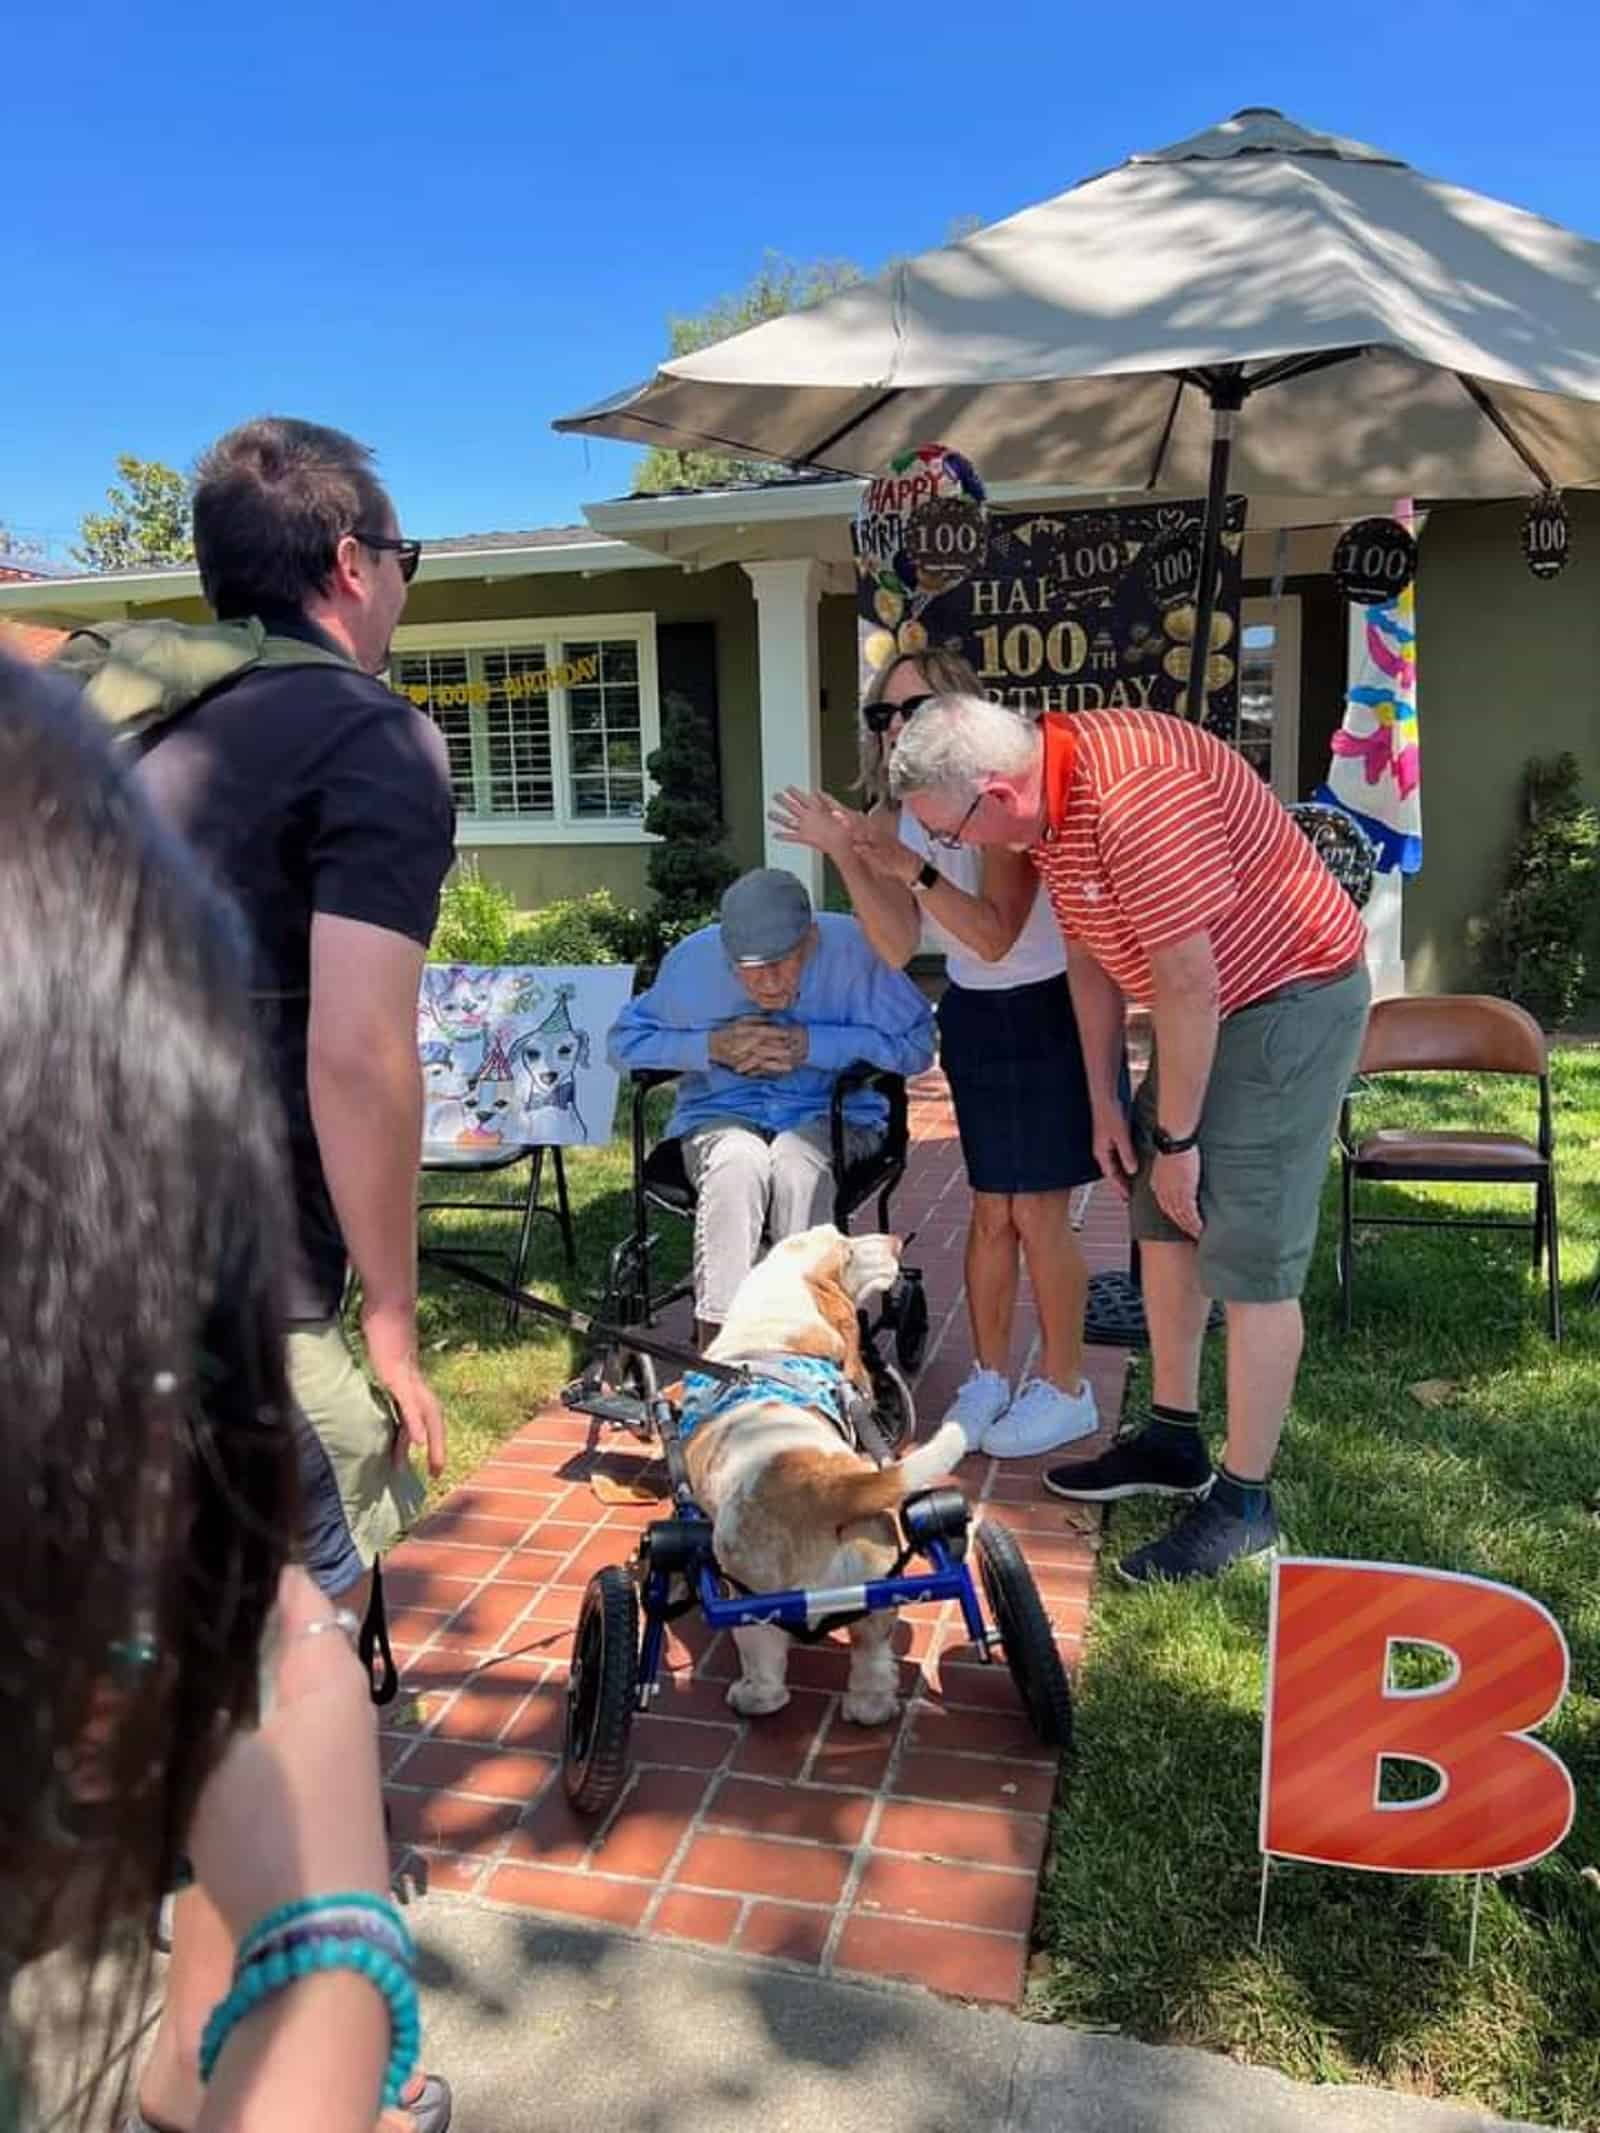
837	1492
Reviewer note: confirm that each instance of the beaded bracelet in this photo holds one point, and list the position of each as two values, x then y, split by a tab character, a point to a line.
358	1913
257	1981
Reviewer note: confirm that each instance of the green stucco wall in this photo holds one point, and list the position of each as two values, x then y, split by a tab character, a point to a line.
1507	668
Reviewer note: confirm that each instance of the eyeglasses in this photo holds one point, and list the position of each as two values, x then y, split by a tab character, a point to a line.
879	717
408	554
951	839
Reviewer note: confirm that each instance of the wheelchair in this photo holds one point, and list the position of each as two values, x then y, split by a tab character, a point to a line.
621	1634
661	1187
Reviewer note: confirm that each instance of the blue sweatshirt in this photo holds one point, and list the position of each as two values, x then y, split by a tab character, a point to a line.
851	1003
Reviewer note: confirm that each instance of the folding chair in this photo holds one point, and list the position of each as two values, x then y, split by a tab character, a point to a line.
1462	1033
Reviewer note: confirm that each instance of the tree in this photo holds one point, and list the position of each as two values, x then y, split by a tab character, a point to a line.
19	552
781	286
149	519
688	869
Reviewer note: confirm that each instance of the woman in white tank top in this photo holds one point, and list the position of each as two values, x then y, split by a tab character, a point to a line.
1009	1048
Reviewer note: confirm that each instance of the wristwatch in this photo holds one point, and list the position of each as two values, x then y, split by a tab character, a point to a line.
924	878
1173	1143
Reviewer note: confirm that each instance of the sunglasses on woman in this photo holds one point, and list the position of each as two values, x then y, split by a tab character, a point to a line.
879	717
408	554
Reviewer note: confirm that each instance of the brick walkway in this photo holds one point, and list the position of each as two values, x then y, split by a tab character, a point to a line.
910	1851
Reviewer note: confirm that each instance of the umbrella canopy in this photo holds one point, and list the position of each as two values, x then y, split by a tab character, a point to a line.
1417	339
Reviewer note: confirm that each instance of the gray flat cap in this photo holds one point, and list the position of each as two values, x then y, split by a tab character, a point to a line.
765	916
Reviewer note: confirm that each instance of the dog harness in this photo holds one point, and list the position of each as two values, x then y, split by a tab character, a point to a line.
805	1381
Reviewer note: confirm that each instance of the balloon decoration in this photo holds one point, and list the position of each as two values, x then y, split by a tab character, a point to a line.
1374	561
1547	535
922	527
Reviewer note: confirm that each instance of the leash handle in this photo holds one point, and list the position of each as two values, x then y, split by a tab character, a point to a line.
373	1644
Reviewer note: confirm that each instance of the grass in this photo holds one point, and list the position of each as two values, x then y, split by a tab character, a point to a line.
1148	1910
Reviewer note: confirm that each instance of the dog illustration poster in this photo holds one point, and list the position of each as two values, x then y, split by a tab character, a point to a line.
516	1057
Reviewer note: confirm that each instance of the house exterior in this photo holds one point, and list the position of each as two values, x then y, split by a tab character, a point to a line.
546	657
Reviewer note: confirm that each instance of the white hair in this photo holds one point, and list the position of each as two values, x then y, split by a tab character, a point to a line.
959	740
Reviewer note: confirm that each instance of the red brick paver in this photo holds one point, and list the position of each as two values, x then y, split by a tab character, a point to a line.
908	1851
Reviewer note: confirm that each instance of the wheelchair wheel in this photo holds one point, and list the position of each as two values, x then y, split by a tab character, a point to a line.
601	1693
894	1410
911	1325
1025	1635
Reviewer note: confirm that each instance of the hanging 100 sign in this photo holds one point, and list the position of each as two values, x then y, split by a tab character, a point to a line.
1546	536
1374	561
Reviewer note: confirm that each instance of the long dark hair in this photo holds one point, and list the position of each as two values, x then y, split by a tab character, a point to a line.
147	1499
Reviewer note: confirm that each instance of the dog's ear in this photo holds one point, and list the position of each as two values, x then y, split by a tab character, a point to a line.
838	1313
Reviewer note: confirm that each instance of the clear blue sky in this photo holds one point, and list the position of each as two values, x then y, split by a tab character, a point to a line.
440	226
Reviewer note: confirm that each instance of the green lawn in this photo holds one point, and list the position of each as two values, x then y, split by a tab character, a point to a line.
1149	1906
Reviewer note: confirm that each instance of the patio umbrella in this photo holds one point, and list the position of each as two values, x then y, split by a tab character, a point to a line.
1260	307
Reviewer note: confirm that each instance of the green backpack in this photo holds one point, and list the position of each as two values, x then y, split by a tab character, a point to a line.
140	675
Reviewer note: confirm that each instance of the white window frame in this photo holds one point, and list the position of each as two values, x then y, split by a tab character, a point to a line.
550	630
1283	617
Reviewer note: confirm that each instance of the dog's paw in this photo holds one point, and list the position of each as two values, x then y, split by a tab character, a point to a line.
756	1699
869	1710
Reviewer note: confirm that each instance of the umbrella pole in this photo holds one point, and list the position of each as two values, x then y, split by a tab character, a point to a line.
1227	397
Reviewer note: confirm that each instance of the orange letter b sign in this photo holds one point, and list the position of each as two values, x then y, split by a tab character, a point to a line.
1334	1717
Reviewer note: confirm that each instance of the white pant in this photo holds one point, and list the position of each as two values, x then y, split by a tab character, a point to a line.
750	1188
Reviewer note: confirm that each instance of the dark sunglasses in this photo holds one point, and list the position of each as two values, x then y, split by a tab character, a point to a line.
951	839
408	554
879	717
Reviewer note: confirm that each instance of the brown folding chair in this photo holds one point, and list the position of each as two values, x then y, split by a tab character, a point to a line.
1459	1033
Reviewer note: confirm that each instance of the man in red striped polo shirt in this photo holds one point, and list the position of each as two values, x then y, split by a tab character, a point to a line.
1180	883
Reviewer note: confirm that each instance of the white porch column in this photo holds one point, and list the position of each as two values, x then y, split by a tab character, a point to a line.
791	716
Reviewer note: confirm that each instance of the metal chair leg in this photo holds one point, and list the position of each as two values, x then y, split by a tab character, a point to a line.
519	1264
1554	1239
1540	1226
1346	1243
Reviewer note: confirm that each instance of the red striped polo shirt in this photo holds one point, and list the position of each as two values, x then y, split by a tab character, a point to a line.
1156	831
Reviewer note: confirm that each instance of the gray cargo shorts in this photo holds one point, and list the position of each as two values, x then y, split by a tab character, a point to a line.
1272	1104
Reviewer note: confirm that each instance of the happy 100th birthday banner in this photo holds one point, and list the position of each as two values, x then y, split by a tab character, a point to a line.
1056	611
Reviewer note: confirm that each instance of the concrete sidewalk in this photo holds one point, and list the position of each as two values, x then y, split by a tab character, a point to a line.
546	2025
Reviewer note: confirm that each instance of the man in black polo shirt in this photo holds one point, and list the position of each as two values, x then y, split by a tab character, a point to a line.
321	799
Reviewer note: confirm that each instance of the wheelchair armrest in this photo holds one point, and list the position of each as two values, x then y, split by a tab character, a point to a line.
644	1078
862	1074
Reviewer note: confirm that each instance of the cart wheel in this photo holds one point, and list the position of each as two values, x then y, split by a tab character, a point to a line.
1025	1635
601	1692
911	1326
894	1409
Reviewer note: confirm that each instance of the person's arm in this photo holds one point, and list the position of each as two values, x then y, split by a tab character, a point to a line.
1184	1012
293	1810
665	1026
1101	1013
987	922
884	907
365	1083
383	842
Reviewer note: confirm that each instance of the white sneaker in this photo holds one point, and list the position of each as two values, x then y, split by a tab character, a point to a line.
1041	1417
980	1403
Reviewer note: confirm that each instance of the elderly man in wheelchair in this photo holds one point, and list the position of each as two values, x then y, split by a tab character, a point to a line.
760	1017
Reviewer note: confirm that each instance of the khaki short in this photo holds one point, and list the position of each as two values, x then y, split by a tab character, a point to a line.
1271	1107
355	1501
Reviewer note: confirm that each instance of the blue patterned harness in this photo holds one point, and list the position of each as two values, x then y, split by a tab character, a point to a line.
804	1381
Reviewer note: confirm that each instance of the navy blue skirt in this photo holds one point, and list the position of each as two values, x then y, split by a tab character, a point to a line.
1015	1069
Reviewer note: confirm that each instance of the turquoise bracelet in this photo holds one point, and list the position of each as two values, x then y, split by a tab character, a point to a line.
306	1908
255	1982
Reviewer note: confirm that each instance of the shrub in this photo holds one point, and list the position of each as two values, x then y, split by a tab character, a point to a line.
476	919
1536	949
689	869
583	929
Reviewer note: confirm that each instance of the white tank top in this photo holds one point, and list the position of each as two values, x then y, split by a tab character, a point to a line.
1037	952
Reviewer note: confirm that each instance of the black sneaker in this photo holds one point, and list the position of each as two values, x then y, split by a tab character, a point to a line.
1207	1540
1137	1465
